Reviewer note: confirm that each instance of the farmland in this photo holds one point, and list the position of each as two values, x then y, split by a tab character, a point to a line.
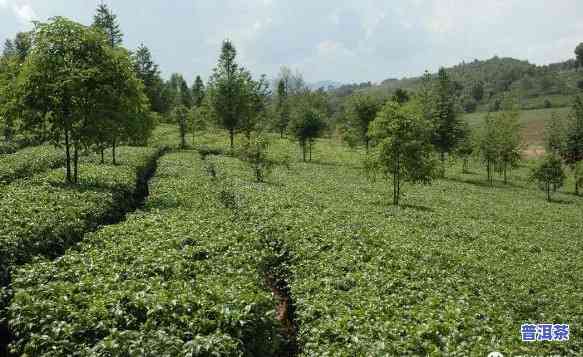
455	270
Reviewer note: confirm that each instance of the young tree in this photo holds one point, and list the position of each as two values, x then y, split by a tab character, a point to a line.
198	92
579	55
180	114
254	96
404	151
573	149
282	107
226	90
465	149
149	73
488	145
255	154
555	135
182	95
447	133
306	125
509	141
106	21
198	116
549	174
361	110
400	96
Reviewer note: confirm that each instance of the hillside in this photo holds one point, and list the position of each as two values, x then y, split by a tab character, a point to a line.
481	84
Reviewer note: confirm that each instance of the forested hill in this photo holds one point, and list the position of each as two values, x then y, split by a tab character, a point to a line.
480	84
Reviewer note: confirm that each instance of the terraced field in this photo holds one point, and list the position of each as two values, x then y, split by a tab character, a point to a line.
314	262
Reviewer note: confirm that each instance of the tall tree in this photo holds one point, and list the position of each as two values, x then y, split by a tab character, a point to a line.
573	149
74	75
226	91
282	107
508	141
361	110
555	135
400	96
180	114
579	55
404	151
447	125
254	96
106	21
488	145
198	92
306	125
149	73
549	174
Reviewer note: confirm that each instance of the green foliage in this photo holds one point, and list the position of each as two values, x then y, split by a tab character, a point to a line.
180	115
549	174
89	89
404	151
306	125
28	162
555	134
149	73
198	92
400	96
573	148
106	21
360	112
579	54
182	281
255	152
446	121
282	108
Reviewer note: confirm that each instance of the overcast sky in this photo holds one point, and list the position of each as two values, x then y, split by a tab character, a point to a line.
346	41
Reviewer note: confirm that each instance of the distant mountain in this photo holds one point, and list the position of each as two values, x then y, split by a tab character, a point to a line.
324	84
480	85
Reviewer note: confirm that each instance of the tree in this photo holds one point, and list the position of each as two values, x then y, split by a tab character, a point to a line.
446	121
400	96
149	73
198	117
478	91
181	94
404	152
180	114
85	87
106	21
361	110
226	90
488	145
465	149
549	174
508	141
555	135
255	154
573	149
306	125
579	55
254	95
198	92
282	108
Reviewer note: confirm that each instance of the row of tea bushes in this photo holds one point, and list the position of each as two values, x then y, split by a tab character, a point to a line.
29	161
179	278
41	215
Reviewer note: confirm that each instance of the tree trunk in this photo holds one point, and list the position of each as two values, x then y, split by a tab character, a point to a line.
310	146
303	145
232	137
366	143
442	164
76	163
68	155
281	133
576	185
548	192
113	151
102	155
505	175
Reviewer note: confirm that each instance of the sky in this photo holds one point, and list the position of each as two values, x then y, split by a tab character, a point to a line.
344	41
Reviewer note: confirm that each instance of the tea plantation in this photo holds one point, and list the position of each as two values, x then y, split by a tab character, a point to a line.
313	262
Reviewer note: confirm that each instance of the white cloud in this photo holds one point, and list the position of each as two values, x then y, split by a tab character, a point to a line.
22	10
